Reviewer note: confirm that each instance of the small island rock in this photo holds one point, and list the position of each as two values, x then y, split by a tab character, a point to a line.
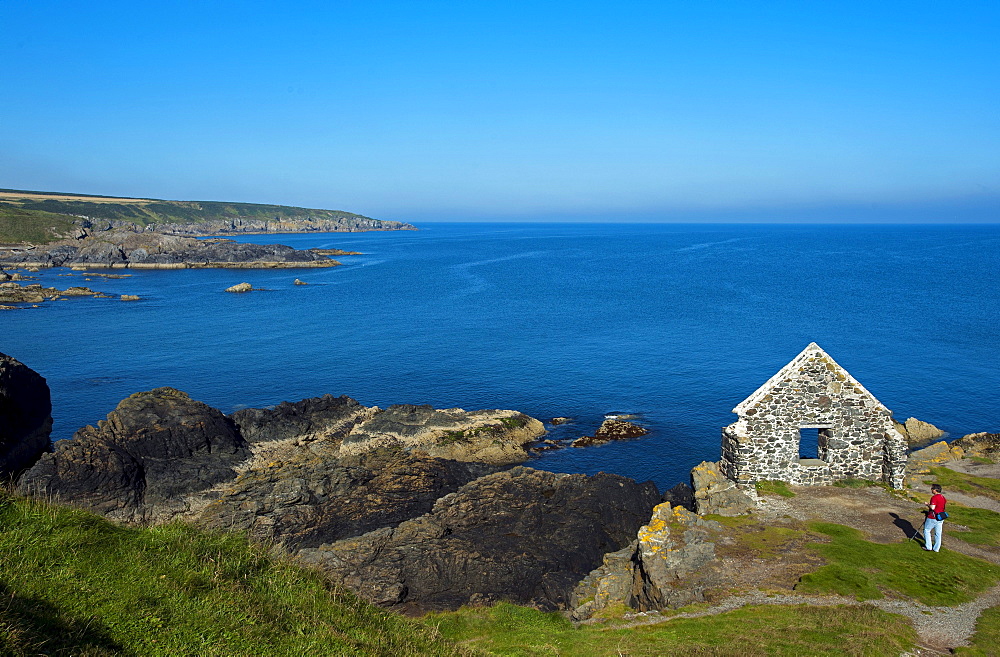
240	287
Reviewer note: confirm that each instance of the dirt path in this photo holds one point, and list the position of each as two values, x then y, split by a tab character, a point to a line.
884	517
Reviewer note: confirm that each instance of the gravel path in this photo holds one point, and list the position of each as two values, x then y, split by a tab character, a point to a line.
884	518
939	628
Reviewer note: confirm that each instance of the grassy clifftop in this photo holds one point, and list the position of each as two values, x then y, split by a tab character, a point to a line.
39	217
74	584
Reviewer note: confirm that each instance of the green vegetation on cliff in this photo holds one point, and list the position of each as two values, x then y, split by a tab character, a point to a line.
43	216
792	630
75	584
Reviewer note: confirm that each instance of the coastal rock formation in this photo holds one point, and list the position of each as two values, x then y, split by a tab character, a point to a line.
918	432
240	287
11	292
317	418
716	493
302	495
920	462
980	445
154	450
25	417
153	250
494	436
611	429
521	535
654	571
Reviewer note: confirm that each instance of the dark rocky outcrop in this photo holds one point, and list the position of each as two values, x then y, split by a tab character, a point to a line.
155	448
33	293
325	417
25	417
521	535
302	498
612	429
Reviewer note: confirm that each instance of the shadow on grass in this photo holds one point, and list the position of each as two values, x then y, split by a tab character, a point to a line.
32	626
907	527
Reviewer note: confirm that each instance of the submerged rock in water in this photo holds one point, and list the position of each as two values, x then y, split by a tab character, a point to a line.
25	417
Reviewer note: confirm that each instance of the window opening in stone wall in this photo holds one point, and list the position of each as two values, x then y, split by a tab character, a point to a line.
809	443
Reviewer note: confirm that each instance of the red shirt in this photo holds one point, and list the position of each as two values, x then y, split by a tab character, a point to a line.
937	505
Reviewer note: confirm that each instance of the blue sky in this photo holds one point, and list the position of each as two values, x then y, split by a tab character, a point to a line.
626	111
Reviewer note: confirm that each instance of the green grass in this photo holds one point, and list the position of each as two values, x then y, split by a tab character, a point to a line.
966	483
774	488
18	225
986	641
74	584
865	570
764	630
984	525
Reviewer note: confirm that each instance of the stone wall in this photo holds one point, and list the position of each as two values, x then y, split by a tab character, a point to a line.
857	439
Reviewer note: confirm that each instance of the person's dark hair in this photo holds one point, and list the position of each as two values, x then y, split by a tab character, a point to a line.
936	488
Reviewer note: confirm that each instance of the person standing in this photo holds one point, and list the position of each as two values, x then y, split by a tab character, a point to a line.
934	522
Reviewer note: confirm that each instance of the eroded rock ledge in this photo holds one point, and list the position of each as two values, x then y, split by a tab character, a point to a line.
410	506
120	249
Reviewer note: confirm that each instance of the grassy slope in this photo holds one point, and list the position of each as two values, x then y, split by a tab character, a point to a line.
26	220
73	583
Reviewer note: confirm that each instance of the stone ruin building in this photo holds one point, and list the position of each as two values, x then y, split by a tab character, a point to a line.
812	423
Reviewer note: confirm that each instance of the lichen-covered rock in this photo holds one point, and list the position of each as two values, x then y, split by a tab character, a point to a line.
239	287
981	445
921	433
921	461
154	451
654	571
489	436
715	493
25	417
521	535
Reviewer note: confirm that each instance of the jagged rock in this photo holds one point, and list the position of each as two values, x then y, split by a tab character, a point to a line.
521	535
240	287
648	574
4	276
304	496
155	450
560	420
982	445
920	433
715	493
298	282
680	495
25	417
611	429
921	461
318	418
490	436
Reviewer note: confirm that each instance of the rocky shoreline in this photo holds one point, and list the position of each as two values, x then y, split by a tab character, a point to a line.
124	249
420	509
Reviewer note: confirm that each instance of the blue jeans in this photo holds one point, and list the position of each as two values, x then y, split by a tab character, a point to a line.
933	526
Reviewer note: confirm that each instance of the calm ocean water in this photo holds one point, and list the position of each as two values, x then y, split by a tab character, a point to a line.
677	323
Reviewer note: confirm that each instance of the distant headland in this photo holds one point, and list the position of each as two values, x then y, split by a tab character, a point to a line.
49	229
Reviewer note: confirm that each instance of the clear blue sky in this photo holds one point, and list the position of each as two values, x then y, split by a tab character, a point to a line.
679	111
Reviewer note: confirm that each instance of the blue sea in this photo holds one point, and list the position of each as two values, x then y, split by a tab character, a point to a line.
674	323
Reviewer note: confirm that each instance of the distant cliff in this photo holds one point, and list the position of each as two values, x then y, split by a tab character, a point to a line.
41	217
